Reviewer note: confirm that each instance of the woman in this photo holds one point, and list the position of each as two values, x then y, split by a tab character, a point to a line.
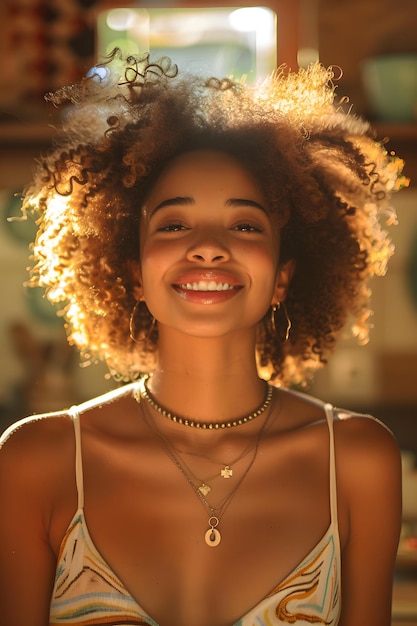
217	237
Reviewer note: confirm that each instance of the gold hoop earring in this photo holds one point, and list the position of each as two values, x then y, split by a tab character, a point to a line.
140	329
277	307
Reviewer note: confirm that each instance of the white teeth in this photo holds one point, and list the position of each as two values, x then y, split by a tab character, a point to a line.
206	285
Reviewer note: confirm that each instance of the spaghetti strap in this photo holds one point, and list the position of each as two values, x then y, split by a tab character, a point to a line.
330	416
78	456
333	490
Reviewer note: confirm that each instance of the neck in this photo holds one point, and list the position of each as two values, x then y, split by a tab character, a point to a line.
207	379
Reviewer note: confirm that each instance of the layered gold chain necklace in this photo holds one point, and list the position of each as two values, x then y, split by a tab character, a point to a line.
201	489
226	469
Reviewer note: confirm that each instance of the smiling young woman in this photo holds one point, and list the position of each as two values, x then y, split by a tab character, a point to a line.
209	242
207	228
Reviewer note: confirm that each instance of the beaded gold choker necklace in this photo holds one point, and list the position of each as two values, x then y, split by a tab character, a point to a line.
144	392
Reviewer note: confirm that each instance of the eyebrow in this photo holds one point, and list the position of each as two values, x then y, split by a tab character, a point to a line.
245	202
177	201
187	200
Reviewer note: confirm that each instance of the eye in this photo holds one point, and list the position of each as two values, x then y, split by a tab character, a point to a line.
171	228
247	227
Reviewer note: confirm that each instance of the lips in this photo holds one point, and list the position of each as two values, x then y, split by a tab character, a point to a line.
206	287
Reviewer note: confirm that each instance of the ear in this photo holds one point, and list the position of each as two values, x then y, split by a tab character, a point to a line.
133	268
283	280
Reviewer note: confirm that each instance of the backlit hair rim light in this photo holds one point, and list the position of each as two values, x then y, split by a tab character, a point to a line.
327	181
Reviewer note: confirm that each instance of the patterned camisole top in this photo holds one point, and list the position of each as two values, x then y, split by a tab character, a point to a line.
88	593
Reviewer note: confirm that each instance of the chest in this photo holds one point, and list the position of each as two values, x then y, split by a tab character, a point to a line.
148	524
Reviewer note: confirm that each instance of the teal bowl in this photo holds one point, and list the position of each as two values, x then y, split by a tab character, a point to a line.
390	83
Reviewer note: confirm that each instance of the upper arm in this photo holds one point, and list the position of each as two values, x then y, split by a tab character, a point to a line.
27	562
369	472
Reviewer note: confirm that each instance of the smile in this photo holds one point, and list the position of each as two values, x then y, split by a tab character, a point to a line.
207	285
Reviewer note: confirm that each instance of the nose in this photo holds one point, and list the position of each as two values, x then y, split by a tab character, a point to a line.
208	247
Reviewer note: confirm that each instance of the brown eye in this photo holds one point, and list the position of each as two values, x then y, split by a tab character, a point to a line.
246	227
171	228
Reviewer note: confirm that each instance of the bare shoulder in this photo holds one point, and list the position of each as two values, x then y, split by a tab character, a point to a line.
368	462
43	442
34	454
363	440
36	472
355	433
365	447
33	448
30	427
368	468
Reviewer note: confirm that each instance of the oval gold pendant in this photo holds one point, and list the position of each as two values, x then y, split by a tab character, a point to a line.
212	537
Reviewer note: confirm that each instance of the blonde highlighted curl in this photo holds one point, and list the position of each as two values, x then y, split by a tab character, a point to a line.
326	178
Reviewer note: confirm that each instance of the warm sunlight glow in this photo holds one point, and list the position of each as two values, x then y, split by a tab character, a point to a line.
121	19
221	41
251	18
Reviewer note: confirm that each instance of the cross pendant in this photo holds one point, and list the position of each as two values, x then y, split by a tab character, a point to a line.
226	472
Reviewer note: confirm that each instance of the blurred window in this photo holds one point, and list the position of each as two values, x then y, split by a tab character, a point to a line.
226	41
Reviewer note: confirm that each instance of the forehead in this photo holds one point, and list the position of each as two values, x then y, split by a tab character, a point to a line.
206	171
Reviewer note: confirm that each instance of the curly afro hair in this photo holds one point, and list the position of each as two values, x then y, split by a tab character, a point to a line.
326	178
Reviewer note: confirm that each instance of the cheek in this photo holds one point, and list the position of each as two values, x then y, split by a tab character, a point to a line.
263	259
149	271
146	263
267	271
155	262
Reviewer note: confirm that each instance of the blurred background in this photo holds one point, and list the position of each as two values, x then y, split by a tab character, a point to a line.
47	43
